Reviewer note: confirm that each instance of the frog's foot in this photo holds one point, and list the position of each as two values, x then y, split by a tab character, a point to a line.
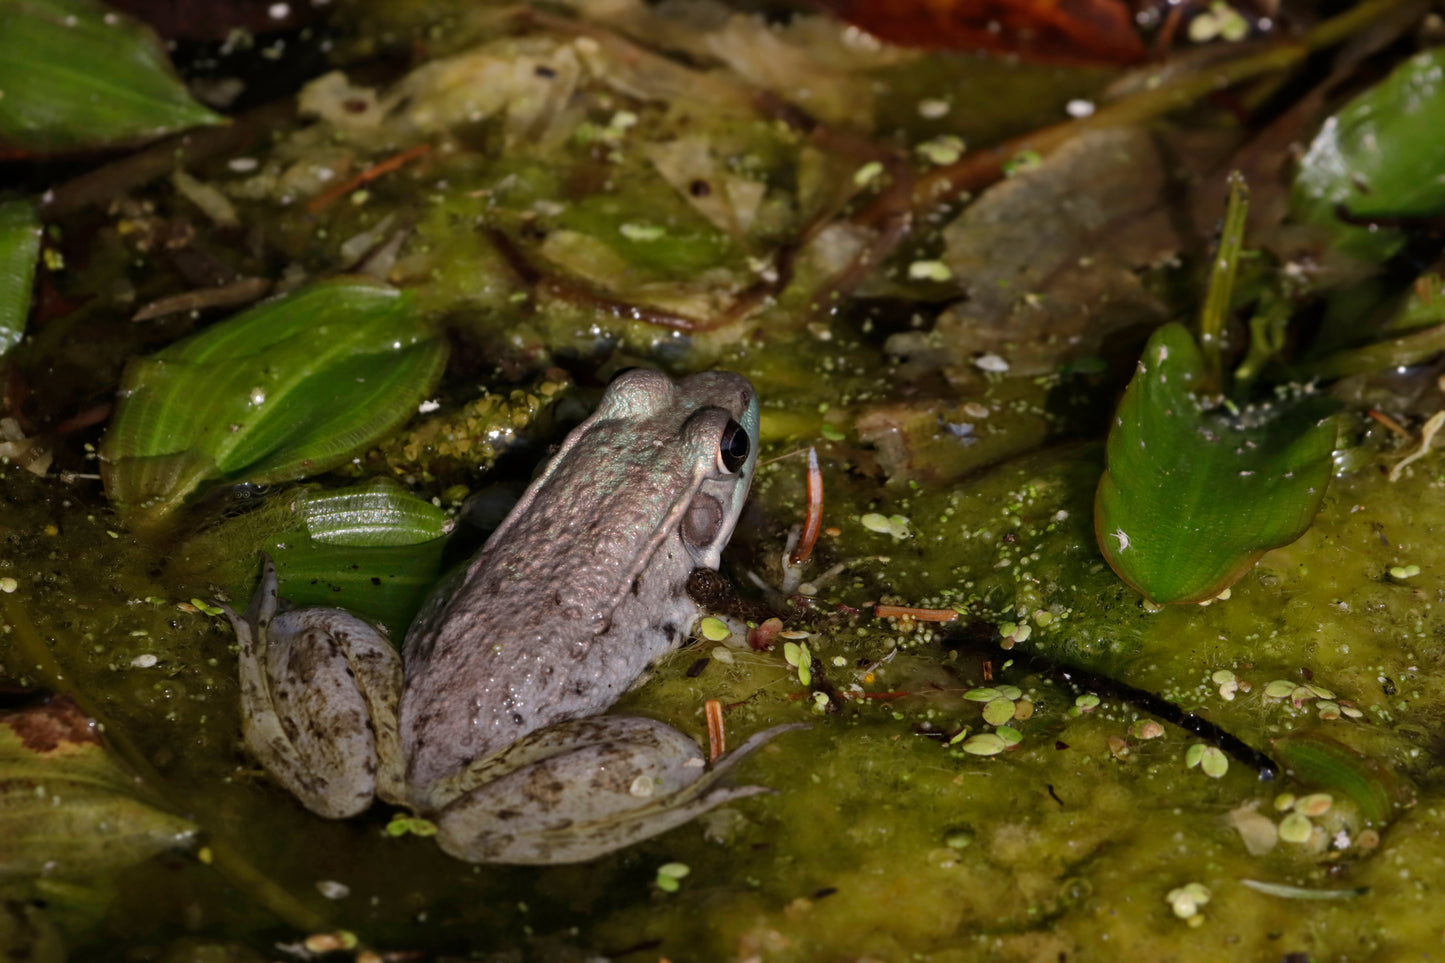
318	696
582	789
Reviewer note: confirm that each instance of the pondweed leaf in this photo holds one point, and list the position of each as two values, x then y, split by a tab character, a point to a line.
1381	156
290	388
378	513
1190	497
19	247
66	807
374	549
76	74
382	583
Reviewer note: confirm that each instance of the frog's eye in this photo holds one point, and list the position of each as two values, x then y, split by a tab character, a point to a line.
734	446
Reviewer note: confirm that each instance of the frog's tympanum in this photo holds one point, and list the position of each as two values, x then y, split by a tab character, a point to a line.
492	729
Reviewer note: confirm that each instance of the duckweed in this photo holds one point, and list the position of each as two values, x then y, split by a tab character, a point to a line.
998	711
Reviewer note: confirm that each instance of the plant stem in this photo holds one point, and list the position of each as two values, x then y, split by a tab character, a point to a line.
1266	336
1221	281
1400	352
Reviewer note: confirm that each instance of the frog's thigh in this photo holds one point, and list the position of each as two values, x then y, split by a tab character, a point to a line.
331	682
618	781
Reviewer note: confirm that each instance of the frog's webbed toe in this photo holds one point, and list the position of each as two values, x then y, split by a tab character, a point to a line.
582	789
315	705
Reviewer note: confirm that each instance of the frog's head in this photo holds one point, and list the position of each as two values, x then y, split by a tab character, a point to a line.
705	429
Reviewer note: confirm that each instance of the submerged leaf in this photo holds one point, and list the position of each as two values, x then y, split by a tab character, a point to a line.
1189	500
1054	258
68	808
373	549
1318	760
380	512
1382	157
77	74
287	389
19	246
383	583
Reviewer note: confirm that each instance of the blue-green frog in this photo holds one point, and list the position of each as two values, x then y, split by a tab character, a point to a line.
492	729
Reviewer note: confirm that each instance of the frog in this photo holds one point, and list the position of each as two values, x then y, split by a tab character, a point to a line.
491	722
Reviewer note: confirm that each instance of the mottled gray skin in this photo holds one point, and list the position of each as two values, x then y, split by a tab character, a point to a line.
574	596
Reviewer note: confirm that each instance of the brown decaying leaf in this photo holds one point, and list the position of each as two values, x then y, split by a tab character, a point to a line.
1053	255
67	807
57	724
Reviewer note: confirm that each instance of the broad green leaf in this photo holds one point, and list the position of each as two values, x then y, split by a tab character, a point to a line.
66	807
1381	156
19	247
373	549
290	388
383	583
74	74
380	512
1190	499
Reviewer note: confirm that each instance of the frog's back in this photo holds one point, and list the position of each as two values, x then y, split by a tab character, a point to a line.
584	584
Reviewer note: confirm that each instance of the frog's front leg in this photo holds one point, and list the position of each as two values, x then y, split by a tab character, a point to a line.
581	789
319	689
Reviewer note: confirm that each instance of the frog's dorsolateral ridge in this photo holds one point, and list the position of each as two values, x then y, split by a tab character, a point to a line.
493	729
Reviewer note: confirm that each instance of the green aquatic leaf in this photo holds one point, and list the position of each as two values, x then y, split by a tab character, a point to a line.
290	388
77	74
1317	760
1414	329
66	807
1381	156
19	247
1191	498
373	549
380	512
382	583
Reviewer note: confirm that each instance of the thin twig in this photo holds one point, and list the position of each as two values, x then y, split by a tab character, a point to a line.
1389	423
916	614
1427	436
103	185
978	169
813	521
324	200
716	733
1221	281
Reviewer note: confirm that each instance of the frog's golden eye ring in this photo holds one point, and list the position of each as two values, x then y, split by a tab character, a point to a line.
734	446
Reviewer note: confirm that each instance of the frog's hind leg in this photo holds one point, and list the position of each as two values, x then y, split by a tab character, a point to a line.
318	702
584	788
